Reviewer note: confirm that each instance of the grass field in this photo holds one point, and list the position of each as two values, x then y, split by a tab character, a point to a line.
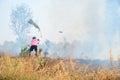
25	68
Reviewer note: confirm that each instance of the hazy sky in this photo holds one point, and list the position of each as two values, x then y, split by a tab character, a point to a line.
95	23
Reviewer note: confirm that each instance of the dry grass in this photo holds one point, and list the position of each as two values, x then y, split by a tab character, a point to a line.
20	68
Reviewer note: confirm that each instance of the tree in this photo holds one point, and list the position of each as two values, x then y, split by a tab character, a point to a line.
19	22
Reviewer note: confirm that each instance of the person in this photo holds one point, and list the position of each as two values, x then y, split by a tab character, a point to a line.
33	45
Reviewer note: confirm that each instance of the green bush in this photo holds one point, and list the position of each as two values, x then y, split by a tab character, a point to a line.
24	51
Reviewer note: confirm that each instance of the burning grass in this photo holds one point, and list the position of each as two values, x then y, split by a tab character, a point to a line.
21	68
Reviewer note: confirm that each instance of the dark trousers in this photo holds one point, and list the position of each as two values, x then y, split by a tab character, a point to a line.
33	47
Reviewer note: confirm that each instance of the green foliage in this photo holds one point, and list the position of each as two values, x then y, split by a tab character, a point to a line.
24	51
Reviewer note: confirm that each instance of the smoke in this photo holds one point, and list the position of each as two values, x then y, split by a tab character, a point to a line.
79	19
